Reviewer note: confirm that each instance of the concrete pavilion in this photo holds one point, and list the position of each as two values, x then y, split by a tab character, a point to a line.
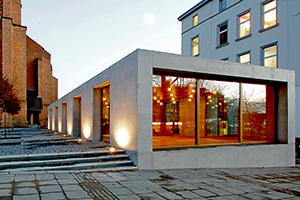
174	111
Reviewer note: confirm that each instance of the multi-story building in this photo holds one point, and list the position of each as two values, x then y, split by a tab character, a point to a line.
27	65
260	32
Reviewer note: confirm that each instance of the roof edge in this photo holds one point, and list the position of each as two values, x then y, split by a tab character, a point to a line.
198	5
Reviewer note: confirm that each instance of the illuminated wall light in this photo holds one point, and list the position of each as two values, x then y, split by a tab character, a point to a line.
122	137
154	98
69	129
59	127
87	132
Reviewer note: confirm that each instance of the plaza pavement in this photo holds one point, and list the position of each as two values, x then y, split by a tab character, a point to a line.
252	183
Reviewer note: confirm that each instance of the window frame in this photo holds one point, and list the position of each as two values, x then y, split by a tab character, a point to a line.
219	33
263	53
192	46
263	15
241	54
239	25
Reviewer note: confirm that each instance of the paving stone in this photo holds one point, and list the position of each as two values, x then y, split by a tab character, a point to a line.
23	191
67	181
151	196
5	192
52	196
24	177
71	187
50	189
188	194
112	185
169	195
43	177
5	186
236	197
129	197
204	193
26	197
6	179
218	191
46	182
120	191
138	189
77	194
25	184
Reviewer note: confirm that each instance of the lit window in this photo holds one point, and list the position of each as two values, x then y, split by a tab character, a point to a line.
223	34
270	56
244	58
195	46
222	5
244	24
269	14
195	20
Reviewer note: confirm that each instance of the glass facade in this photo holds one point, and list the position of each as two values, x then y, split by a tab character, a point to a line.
200	112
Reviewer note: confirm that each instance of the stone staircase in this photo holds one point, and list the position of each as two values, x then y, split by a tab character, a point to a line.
102	160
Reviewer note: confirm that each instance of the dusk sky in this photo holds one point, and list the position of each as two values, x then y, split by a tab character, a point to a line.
86	37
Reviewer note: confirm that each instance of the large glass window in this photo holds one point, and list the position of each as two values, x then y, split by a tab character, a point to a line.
244	24
258	113
195	46
173	111
195	20
270	56
223	34
200	112
269	14
105	114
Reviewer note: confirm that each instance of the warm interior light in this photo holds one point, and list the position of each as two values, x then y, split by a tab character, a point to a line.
191	95
174	102
189	99
158	101
69	129
154	98
161	103
169	89
193	91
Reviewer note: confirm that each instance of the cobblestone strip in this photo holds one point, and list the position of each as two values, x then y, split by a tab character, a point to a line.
95	189
265	185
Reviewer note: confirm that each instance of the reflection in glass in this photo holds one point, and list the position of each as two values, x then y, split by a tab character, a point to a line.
270	56
218	112
173	111
258	113
269	14
244	24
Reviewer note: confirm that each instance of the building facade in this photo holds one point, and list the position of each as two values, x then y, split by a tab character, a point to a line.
27	65
264	32
174	111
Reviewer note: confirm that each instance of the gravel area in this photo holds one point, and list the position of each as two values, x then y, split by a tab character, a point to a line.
37	141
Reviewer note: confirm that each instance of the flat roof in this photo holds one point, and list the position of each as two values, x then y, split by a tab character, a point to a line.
197	6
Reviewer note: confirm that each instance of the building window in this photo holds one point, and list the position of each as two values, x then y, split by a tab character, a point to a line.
195	46
269	14
201	112
195	20
244	24
223	33
244	58
222	5
270	56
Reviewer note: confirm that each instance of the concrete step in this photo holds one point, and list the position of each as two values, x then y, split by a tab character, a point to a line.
93	160
105	166
49	156
57	162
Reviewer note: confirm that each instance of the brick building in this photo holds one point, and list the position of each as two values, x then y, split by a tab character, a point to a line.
27	65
